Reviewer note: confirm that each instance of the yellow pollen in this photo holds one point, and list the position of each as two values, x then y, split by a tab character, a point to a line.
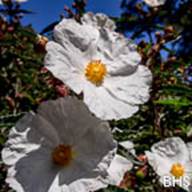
95	72
177	170
62	155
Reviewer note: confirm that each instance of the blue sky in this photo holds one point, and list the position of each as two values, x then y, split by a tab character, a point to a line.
47	11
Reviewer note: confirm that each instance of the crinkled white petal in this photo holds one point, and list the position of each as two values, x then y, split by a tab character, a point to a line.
132	89
129	146
18	146
65	114
55	187
85	185
65	66
75	37
155	3
188	175
119	166
117	53
34	172
82	185
91	160
172	148
105	105
66	57
98	20
189	147
160	165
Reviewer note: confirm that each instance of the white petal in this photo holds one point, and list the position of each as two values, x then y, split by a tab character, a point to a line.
105	105
117	52
91	160
99	20
13	183
128	145
65	66
65	114
189	147
86	185
17	146
72	35
155	3
35	172
172	148
133	89
56	187
160	165
188	175
118	168
188	168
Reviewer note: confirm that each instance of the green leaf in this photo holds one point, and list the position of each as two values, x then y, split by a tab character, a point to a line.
177	89
49	27
178	102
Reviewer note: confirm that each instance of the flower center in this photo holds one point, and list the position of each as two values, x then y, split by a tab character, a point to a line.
62	155
177	170
95	72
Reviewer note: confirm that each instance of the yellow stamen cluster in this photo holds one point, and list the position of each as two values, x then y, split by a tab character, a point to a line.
62	155
177	170
95	72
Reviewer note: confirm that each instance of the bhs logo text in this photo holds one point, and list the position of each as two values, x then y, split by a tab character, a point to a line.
171	181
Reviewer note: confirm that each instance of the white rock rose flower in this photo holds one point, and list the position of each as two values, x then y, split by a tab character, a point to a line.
62	148
155	3
18	1
91	58
171	159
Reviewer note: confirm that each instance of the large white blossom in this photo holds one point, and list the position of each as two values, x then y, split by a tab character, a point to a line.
171	159
62	148
155	3
91	58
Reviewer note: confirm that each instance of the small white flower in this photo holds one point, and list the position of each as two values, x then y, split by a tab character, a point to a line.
62	148
102	64
155	3
18	1
172	158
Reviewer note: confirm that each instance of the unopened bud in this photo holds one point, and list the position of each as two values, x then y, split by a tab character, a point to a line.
142	172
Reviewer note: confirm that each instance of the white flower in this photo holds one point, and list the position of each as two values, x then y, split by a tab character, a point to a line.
18	1
172	158
102	64
155	3
61	148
